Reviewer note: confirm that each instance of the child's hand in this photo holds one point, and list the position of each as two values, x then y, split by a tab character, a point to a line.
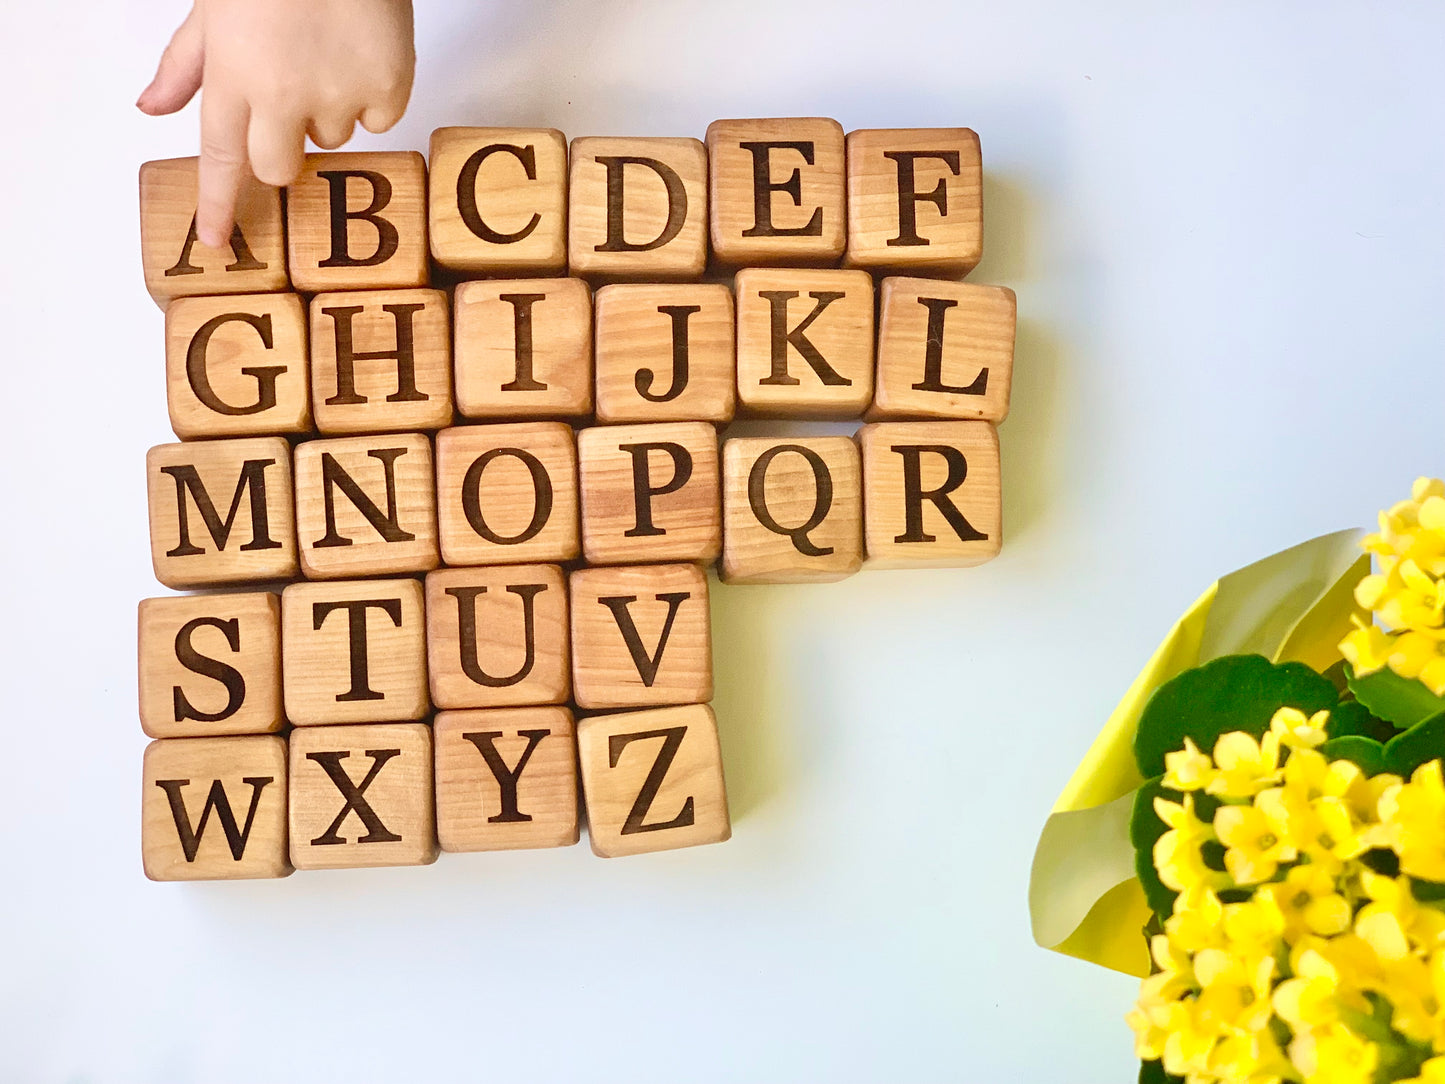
272	72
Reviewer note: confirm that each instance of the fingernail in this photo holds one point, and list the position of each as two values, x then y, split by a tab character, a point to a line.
210	238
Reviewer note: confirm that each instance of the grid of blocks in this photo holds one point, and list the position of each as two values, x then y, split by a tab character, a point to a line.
452	440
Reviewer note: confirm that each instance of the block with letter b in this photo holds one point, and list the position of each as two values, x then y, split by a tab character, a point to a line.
236	365
665	352
650	492
637	208
792	510
178	265
776	191
506	779
210	665
524	348
915	199
498	199
353	652
497	636
357	221
366	506
381	361
653	780
214	808
221	512
932	497
945	350
362	796
805	342
507	493
641	636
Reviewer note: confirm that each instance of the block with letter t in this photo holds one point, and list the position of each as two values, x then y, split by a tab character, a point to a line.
932	496
915	199
637	208
357	221
362	796
214	808
653	780
178	265
641	636
221	512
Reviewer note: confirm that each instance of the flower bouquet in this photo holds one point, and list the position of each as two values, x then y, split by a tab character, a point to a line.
1259	830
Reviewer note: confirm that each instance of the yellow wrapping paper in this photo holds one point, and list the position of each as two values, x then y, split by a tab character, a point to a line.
1084	899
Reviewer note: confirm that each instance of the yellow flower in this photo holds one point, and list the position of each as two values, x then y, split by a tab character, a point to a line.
1366	648
1255	1058
1246	766
1296	730
1188	1042
1254	927
1423	927
1256	843
1412	817
1153	1020
1188	769
1197	921
1177	853
1309	775
1234	990
1432	1072
1309	902
1308	1000
1334	1055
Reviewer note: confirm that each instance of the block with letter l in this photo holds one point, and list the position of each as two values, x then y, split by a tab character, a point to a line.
653	780
221	512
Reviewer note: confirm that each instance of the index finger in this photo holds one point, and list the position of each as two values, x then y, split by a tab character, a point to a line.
223	166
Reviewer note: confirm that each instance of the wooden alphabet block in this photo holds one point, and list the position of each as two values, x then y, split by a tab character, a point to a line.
805	342
178	265
497	636
945	350
236	365
650	493
357	221
366	506
637	208
506	779
381	361
353	652
221	511
641	636
792	510
214	808
499	199
210	665
524	348
931	494
776	191
507	494
665	352
653	780
362	796
915	199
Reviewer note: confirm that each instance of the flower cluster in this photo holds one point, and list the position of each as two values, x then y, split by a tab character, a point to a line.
1298	948
1407	594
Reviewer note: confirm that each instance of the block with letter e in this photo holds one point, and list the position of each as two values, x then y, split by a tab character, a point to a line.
653	780
641	636
932	496
506	778
357	221
362	796
214	808
221	512
178	265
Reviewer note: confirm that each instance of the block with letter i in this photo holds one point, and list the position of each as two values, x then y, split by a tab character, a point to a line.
178	265
221	512
357	221
641	636
506	779
792	510
932	497
362	796
214	808
653	780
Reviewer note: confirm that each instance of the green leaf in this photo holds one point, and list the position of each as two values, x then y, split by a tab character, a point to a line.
1367	753
1350	717
1145	828
1152	1072
1402	701
1418	745
1236	692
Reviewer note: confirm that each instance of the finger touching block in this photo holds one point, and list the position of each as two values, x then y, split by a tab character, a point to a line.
214	808
506	779
792	510
653	780
932	497
641	636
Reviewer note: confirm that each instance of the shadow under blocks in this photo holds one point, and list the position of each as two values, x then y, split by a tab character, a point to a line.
458	428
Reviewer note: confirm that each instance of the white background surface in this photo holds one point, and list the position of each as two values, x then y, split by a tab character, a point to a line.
1225	226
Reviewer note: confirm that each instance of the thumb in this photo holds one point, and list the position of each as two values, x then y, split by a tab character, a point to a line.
178	76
